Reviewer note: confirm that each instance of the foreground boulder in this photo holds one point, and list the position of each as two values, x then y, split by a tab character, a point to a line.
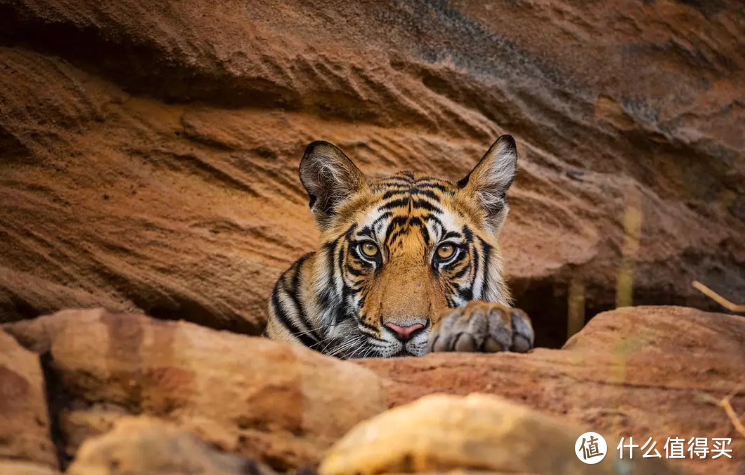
24	423
479	432
276	403
634	372
10	467
142	446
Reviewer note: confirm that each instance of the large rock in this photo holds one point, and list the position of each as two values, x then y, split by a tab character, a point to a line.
442	433
150	152
24	421
142	446
10	467
635	372
276	403
638	372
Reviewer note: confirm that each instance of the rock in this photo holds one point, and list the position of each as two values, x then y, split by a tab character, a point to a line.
634	372
24	422
157	172
276	403
440	433
9	467
142	446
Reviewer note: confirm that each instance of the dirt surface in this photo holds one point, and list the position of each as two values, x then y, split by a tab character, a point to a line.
149	152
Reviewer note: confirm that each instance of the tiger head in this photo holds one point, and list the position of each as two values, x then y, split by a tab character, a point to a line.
398	250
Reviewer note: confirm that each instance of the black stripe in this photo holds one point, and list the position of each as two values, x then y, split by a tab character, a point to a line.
475	265
294	293
432	186
367	231
425	235
466	294
435	219
382	217
396	187
391	193
468	234
364	324
421	204
487	253
461	272
304	338
427	193
397	179
451	234
399	203
355	272
340	315
326	293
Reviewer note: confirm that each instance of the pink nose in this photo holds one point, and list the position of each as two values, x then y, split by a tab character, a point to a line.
404	333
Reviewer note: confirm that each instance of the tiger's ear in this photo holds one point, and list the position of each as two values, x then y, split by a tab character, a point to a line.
489	180
330	178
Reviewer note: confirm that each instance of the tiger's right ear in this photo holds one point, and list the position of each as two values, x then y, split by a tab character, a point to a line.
330	178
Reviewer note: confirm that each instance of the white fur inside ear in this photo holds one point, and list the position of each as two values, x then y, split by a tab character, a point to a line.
335	179
494	174
330	178
503	165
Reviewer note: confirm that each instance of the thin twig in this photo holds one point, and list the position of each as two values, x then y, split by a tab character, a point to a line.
718	298
727	406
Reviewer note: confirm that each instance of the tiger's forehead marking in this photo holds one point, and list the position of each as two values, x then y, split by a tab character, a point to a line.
406	202
410	183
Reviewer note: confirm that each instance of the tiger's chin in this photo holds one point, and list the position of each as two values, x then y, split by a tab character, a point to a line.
395	349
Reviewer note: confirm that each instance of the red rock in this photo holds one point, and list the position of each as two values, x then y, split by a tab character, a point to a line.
9	467
635	372
442	433
275	403
24	422
151	151
147	446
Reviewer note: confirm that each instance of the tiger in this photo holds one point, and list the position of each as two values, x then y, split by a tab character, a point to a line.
408	264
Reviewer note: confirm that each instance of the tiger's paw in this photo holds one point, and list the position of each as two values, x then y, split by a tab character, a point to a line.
482	327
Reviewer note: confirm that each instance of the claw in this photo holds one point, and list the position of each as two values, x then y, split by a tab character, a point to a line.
483	326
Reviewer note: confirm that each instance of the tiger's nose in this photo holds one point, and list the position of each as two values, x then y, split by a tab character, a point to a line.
404	333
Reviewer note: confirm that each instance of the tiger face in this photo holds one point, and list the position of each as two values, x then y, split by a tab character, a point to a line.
395	252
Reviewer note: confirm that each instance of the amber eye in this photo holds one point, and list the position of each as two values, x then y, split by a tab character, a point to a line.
445	251
369	249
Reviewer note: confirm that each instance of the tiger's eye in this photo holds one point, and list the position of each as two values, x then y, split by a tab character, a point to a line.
445	251
369	249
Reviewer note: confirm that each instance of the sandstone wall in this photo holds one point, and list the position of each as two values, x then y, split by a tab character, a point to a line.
149	150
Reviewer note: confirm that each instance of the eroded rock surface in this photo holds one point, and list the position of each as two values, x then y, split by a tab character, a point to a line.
24	420
150	151
275	403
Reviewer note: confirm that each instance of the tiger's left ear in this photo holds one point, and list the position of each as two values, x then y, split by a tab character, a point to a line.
489	181
330	178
